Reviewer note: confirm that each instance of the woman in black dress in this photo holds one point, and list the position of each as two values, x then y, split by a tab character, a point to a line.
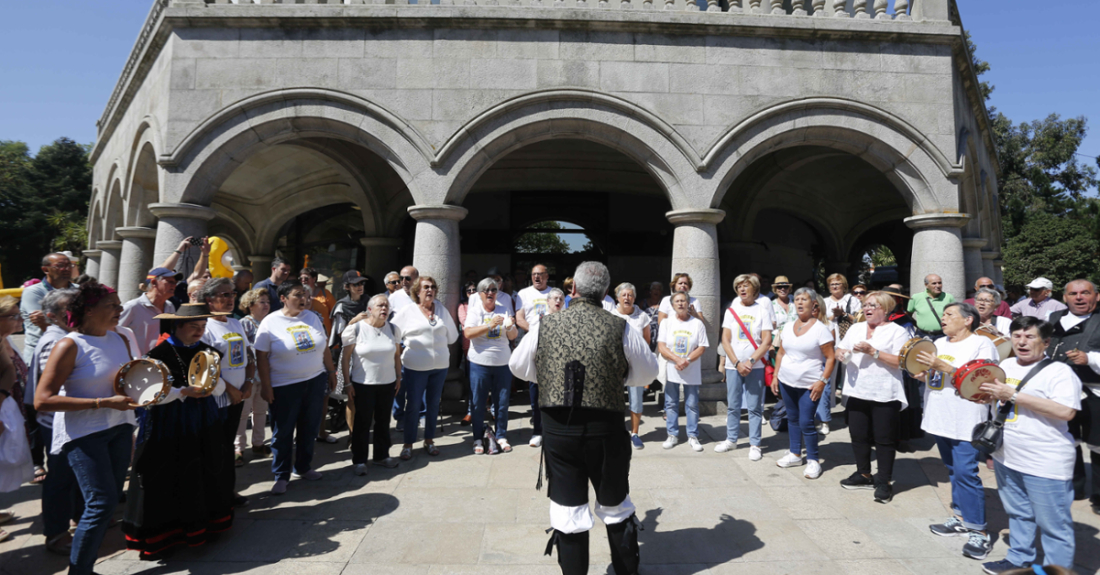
177	489
910	418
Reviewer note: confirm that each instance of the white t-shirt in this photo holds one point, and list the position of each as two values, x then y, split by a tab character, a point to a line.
608	303
228	338
639	319
848	304
425	344
945	413
869	378
666	306
1034	443
399	299
491	349
373	360
295	346
502	299
681	338
803	361
531	303
757	319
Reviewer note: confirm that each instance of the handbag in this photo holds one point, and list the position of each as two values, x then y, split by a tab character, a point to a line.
769	369
988	436
844	323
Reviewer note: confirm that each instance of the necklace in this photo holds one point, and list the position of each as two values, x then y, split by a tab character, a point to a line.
183	368
805	325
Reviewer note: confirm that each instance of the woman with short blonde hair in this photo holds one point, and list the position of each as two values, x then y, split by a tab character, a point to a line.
681	282
746	337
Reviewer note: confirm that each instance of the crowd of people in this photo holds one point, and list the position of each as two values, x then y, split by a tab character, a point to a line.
285	346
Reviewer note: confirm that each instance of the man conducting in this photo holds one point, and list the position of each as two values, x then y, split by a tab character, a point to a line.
1076	341
581	358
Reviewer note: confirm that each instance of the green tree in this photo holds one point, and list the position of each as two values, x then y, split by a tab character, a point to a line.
537	242
1057	248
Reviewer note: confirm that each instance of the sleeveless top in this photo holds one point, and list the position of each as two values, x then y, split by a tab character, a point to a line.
580	338
98	359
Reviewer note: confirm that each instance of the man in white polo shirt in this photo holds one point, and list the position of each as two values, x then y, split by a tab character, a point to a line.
400	297
530	307
138	314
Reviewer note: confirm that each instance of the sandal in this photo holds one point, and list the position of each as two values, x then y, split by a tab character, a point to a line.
4	535
431	449
6	515
39	474
504	445
406	453
478	449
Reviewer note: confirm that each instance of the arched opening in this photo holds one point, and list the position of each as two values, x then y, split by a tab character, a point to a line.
807	211
144	189
563	201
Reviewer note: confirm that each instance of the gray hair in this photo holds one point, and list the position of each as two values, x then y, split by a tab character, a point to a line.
623	287
56	303
370	303
809	292
485	284
996	295
591	280
967	310
207	291
930	275
557	292
1091	285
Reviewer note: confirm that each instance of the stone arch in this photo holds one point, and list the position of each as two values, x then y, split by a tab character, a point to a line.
144	188
114	207
218	145
95	219
917	168
283	211
565	114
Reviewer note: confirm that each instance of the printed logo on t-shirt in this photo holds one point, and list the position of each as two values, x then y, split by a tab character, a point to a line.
494	332
747	320
303	337
236	349
539	307
680	341
935	379
1015	409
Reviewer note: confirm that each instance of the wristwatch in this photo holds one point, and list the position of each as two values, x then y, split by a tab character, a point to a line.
1012	399
875	354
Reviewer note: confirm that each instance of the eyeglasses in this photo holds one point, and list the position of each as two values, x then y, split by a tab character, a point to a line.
539	274
393	282
983	300
781	287
871	306
407	278
858	293
61	267
429	286
471	291
492	290
989	286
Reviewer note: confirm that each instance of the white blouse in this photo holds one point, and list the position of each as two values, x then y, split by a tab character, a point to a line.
425	342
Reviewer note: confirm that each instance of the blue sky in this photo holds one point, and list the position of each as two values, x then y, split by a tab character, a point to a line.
63	57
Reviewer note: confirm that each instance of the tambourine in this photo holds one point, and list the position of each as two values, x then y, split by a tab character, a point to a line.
146	381
969	378
908	355
204	371
1002	343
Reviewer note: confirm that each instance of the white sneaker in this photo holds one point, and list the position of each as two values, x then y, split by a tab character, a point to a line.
724	446
754	453
536	441
813	469
360	469
670	442
824	429
790	460
694	443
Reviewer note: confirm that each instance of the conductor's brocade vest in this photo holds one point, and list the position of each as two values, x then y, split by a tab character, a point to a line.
587	342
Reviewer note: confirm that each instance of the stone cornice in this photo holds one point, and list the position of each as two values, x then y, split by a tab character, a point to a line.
937	221
136	232
708	216
438	212
182	211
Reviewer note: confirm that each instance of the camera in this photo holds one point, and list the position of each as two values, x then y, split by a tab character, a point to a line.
196	242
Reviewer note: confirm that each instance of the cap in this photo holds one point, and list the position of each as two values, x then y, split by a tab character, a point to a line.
353	277
781	281
1040	283
163	273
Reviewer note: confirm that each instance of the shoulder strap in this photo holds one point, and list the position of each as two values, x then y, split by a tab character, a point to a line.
848	305
1002	413
744	330
934	314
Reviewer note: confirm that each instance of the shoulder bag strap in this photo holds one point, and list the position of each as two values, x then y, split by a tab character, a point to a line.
934	314
744	330
1002	413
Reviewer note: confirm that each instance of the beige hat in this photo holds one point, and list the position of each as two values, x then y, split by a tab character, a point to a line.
781	281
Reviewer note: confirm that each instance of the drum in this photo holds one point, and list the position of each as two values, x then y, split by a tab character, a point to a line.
146	381
1003	344
204	371
908	355
970	377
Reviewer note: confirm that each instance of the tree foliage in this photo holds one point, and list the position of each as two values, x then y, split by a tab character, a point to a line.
1057	248
43	204
542	242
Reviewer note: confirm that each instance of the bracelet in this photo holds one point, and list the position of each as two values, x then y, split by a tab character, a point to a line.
96	403
178	252
1013	398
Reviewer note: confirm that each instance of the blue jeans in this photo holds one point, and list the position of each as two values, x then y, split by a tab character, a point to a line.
61	498
99	462
751	388
401	399
536	413
672	408
426	389
967	495
492	383
637	397
800	418
295	411
1032	502
828	396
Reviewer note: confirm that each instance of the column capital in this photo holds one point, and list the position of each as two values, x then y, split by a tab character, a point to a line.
136	232
937	221
705	216
974	243
190	211
438	212
109	245
91	253
382	242
991	255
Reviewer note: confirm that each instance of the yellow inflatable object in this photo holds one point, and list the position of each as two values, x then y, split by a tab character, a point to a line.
220	260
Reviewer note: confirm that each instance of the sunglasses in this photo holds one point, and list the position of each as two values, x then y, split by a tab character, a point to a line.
407	278
990	286
859	293
492	290
393	282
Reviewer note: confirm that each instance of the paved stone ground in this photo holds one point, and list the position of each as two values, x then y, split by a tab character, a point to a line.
458	513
